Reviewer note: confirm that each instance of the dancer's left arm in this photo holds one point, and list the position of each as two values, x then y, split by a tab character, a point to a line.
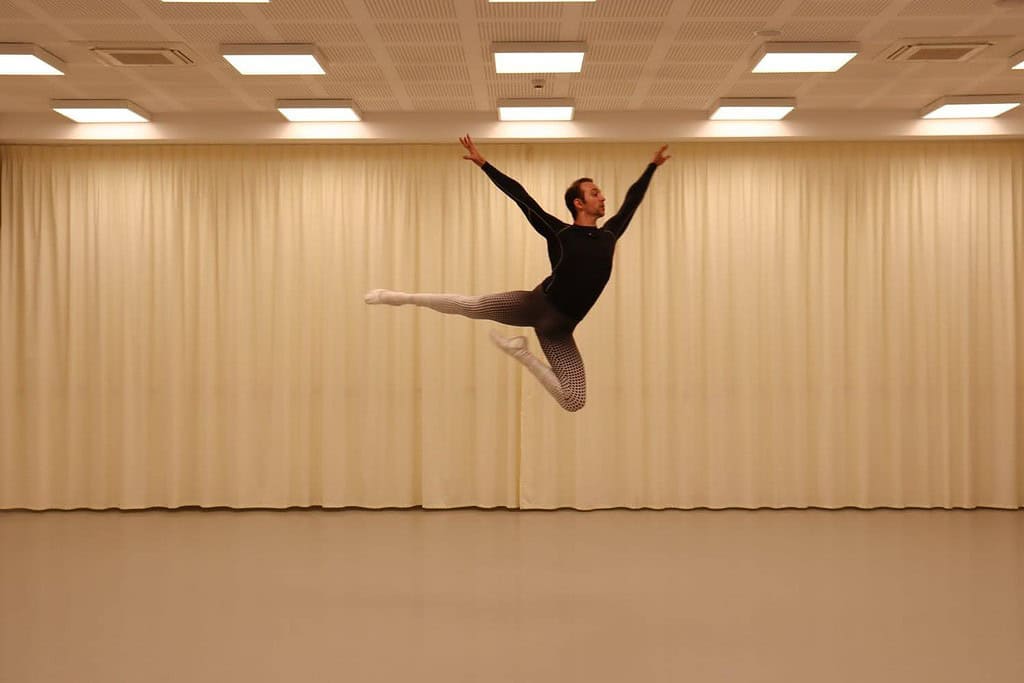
620	221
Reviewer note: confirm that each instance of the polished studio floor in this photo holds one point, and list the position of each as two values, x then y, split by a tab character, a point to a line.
479	596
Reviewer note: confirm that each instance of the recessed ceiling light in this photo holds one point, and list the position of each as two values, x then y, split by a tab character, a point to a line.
802	57
536	110
101	111
273	60
26	59
752	108
538	58
1017	61
970	107
318	110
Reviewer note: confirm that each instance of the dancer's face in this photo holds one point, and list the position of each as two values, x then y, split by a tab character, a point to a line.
593	200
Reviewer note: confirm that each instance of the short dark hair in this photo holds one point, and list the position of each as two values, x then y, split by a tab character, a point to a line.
573	193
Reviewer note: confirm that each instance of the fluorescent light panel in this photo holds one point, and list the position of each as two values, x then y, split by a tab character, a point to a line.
26	59
1017	61
101	111
971	107
211	2
273	60
752	108
803	57
318	110
540	1
536	110
538	58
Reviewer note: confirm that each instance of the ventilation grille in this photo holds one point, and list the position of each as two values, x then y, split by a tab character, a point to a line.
142	56
935	52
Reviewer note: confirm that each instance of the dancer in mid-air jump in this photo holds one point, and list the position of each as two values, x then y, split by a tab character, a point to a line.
581	263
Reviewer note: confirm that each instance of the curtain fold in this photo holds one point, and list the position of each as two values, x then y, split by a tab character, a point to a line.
789	324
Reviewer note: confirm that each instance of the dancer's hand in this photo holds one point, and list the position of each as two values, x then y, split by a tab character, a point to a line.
474	154
660	157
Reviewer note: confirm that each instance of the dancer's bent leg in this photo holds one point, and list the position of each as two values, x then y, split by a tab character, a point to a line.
565	379
510	308
567	365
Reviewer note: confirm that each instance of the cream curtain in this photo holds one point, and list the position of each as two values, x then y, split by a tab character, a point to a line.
788	325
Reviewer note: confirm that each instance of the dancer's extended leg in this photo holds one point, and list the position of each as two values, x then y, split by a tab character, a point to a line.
510	308
565	379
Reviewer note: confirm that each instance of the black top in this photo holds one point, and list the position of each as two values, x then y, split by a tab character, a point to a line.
581	257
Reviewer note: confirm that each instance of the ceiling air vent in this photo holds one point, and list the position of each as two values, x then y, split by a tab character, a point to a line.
935	52
142	56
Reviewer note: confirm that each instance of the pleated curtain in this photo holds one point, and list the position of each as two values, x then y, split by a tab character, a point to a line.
788	324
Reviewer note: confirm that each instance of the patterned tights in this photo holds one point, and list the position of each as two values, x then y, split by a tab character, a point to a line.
564	379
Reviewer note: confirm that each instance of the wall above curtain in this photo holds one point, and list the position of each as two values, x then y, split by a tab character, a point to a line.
259	128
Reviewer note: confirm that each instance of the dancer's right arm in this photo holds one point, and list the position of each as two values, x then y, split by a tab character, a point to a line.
543	222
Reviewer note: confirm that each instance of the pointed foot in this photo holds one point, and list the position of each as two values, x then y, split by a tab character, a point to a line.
378	296
513	346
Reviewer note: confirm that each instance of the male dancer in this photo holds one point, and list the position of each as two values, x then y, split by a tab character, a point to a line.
581	263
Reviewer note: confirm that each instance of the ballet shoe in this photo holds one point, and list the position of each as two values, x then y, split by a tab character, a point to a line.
375	296
511	345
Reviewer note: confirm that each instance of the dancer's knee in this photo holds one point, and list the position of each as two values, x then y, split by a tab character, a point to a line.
574	402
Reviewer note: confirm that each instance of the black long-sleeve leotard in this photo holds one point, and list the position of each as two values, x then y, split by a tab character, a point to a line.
581	256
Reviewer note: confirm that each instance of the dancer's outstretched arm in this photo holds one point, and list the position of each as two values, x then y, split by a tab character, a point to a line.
620	221
543	222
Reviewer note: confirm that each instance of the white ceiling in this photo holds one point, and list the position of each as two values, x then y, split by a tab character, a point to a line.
422	70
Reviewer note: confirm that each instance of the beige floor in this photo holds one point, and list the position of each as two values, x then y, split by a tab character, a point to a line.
490	596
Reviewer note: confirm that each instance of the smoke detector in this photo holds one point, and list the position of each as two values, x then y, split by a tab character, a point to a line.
142	56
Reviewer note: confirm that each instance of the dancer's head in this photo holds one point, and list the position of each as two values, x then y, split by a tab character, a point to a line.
583	196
